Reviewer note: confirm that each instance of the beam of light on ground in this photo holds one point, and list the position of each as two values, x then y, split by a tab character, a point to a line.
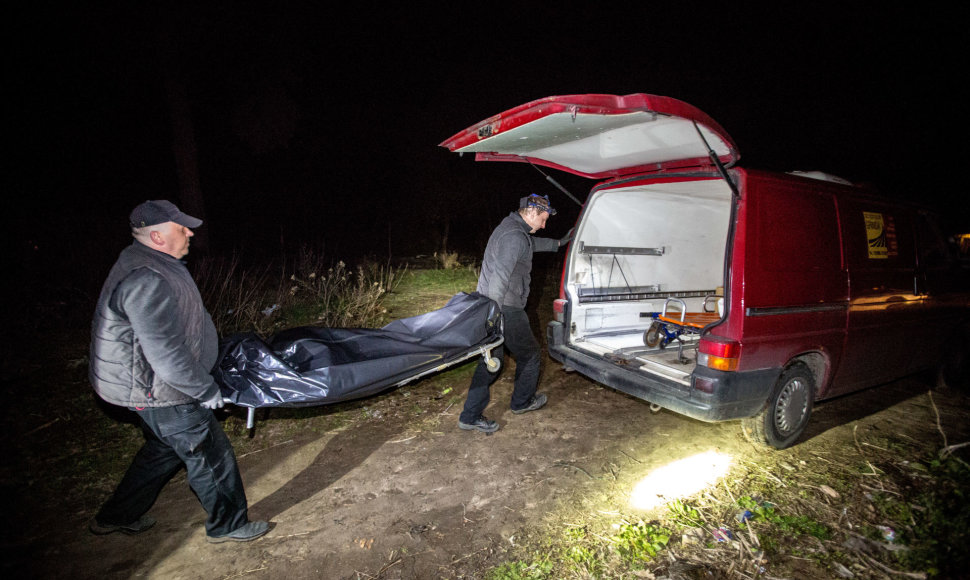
679	479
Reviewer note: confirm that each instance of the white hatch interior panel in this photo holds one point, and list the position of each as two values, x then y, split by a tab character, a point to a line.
594	144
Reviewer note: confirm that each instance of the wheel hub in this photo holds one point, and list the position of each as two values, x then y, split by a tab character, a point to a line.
792	406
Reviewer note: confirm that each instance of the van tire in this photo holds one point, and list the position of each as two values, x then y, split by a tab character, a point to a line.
787	411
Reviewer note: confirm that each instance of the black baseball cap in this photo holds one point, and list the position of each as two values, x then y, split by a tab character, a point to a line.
159	211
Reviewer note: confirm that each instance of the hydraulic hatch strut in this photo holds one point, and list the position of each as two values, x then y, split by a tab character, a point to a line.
717	162
556	183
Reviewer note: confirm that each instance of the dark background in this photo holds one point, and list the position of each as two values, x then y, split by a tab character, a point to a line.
321	127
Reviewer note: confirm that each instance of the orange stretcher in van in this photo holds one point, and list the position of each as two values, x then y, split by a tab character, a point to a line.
666	328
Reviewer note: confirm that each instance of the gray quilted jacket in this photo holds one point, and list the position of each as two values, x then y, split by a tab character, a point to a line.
507	265
153	344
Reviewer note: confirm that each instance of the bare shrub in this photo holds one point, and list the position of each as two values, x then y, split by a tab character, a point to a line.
447	260
237	297
341	297
308	292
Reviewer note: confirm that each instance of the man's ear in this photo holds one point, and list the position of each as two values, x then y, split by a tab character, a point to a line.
156	238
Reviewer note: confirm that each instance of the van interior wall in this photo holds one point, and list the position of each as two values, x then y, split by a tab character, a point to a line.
688	220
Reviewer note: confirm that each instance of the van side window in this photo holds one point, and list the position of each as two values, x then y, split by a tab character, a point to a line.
878	237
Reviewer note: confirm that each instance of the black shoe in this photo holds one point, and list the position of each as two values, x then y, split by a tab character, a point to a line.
536	402
245	533
138	526
481	424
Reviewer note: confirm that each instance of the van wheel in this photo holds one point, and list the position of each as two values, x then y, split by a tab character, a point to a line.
651	337
786	414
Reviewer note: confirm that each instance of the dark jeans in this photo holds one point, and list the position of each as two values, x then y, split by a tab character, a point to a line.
523	346
183	434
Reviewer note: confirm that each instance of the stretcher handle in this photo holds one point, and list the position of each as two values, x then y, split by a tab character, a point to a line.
683	308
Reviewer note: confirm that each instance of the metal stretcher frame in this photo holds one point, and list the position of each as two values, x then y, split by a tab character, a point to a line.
666	329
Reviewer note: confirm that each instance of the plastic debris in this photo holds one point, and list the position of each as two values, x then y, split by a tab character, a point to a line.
744	516
888	533
723	534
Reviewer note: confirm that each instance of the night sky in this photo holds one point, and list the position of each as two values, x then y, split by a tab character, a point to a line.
313	128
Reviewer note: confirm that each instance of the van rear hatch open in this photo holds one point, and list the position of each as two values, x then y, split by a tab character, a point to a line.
644	278
599	136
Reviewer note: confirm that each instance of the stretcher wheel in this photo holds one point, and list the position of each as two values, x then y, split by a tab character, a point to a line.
651	337
493	364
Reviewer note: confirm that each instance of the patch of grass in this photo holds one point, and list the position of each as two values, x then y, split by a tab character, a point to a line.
938	517
787	524
639	542
684	514
586	561
440	280
580	553
419	291
539	568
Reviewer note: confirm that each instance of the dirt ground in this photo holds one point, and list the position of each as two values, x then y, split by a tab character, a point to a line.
401	492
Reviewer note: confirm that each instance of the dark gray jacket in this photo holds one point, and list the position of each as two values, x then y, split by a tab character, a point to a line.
507	265
153	344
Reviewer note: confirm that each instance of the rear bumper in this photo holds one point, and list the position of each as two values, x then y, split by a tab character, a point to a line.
733	395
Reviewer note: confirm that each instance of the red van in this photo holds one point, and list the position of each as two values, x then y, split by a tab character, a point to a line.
726	293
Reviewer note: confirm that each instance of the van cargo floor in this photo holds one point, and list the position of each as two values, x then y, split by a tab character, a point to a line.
672	362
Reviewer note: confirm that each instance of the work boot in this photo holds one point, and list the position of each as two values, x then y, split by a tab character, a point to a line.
138	526
481	424
536	402
244	533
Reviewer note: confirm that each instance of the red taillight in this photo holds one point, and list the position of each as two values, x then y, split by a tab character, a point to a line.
559	310
722	356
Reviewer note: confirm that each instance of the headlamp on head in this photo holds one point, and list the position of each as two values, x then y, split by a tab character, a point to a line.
540	202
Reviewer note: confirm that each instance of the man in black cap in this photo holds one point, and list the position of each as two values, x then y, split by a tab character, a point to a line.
505	277
153	345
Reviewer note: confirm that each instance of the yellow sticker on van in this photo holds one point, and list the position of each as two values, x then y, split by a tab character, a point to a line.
880	235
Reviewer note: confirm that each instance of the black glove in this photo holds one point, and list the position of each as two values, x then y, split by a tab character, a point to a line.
567	238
